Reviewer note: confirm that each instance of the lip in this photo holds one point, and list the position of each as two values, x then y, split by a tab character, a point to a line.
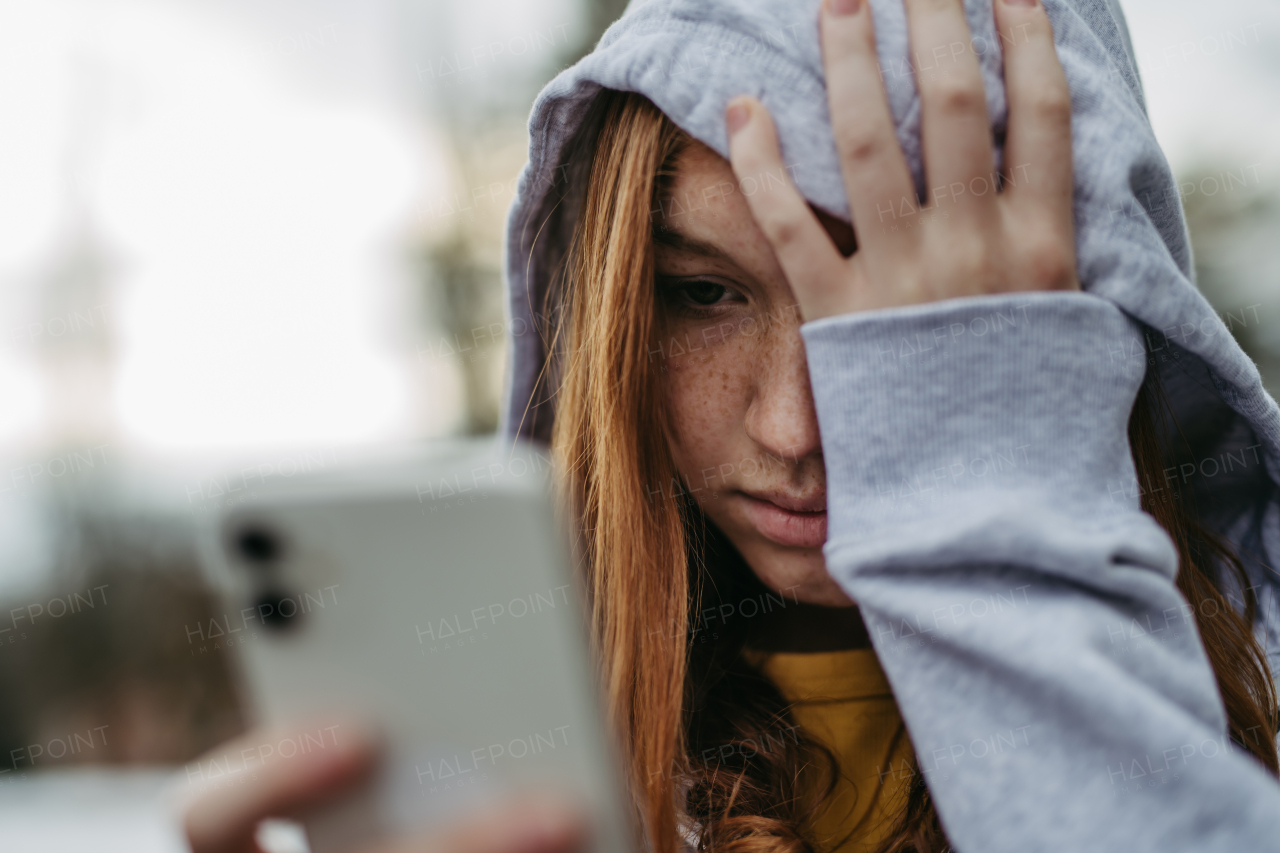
787	520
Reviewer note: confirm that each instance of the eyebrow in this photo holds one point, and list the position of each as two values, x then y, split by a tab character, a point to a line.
683	243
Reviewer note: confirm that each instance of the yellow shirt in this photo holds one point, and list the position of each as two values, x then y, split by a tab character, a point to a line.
843	699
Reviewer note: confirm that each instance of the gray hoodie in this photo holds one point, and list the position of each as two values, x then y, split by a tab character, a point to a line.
983	505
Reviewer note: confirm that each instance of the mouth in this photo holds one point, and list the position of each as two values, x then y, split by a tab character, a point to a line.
786	520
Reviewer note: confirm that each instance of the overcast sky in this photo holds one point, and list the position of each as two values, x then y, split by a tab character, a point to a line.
1212	76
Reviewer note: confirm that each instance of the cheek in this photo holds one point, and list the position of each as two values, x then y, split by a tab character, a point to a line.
707	393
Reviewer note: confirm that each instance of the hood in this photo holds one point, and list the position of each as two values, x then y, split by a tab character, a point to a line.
689	57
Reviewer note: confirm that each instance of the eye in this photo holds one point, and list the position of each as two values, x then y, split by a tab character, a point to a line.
694	295
703	292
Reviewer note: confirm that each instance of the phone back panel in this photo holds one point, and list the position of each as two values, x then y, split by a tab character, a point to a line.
440	603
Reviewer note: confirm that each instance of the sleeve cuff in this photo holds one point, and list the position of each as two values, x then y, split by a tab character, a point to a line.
961	425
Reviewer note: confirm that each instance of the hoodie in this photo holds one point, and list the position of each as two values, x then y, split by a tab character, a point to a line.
983	507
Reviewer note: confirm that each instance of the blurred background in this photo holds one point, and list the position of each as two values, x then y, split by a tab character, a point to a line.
243	239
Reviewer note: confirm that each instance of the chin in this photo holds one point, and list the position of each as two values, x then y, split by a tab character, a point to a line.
800	574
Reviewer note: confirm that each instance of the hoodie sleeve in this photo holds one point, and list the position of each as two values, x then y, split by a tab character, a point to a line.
983	510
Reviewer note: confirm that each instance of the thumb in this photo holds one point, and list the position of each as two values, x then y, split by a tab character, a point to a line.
224	818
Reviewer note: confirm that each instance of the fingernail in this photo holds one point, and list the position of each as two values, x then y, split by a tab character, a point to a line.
736	115
843	7
1019	2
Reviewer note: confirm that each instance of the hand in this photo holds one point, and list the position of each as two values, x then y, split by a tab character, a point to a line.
967	239
226	819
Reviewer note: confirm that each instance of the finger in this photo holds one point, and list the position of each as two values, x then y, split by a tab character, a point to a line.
529	824
955	130
1038	147
876	177
225	818
811	263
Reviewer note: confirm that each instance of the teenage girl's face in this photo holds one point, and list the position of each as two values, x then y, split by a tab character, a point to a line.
743	428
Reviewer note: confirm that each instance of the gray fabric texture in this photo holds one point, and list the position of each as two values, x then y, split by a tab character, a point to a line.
983	511
1081	690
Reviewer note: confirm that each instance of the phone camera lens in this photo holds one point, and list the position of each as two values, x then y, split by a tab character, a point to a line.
259	545
278	611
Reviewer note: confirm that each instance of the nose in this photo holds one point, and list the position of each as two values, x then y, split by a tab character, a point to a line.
782	418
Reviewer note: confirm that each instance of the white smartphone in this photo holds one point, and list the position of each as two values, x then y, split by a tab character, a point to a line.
435	597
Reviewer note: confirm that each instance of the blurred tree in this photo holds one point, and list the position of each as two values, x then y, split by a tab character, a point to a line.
467	306
1234	217
600	15
120	656
462	277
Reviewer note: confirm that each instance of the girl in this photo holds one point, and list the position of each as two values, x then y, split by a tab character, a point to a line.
886	409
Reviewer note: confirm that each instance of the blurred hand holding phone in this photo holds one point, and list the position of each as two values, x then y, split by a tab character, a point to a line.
434	597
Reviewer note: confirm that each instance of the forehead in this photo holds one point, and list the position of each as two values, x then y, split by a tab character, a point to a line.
702	197
705	196
703	181
700	165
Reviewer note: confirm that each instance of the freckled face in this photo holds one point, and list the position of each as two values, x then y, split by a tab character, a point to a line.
743	428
